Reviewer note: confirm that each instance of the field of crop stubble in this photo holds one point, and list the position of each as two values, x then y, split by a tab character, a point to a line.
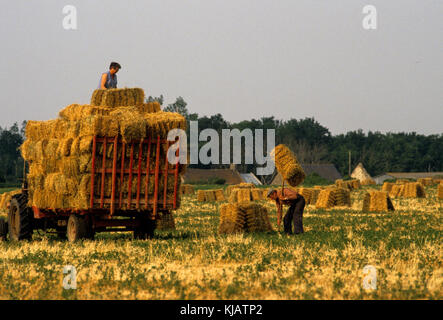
194	262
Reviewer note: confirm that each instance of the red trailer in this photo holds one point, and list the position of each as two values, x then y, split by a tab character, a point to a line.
109	210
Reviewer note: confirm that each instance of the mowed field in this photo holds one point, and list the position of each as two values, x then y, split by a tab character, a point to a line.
194	262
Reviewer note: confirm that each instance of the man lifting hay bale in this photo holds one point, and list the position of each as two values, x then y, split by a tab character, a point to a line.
291	171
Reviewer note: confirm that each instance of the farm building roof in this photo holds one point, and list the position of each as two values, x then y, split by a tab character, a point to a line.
199	175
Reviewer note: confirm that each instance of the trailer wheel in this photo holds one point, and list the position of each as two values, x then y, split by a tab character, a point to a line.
3	230
145	230
77	228
20	218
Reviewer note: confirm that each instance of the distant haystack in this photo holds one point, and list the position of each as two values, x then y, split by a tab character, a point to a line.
360	173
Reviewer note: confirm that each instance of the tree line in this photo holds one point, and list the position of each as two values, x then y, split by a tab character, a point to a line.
312	143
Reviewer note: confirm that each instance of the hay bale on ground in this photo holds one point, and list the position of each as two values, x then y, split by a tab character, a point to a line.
426	181
377	201
243	217
187	189
440	191
348	184
342	197
287	165
325	199
368	182
396	191
387	187
414	190
257	194
219	195
239	186
402	181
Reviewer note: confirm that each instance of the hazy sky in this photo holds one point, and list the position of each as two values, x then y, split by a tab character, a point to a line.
244	59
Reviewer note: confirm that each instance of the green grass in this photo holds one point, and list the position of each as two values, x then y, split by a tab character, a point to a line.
194	262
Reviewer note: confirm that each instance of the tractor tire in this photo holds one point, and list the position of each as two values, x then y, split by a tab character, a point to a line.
20	219
145	230
3	230
77	228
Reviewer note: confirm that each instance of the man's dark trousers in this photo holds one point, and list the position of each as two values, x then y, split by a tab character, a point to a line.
295	213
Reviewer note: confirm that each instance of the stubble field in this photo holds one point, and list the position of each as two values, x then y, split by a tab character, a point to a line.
194	262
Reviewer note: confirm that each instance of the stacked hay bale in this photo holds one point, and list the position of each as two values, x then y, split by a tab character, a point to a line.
377	201
310	194
243	217
396	190
437	180
402	181
325	199
440	191
187	189
413	190
367	182
246	195
237	186
59	152
426	181
332	197
348	184
210	195
287	165
387	186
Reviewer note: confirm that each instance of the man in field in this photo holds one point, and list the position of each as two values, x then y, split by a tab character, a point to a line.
294	214
109	79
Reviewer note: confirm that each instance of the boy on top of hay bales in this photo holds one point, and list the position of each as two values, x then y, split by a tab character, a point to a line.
109	79
296	204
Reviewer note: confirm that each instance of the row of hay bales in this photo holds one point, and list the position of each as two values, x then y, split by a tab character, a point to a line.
59	152
405	190
210	195
348	184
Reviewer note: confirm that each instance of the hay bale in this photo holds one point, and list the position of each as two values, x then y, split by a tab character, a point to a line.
201	196
377	201
387	187
257	194
239	186
342	197
367	182
187	189
426	181
244	195
243	217
325	199
209	195
348	184
440	191
118	97
414	190
314	192
219	195
402	181
396	190
287	165
306	193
